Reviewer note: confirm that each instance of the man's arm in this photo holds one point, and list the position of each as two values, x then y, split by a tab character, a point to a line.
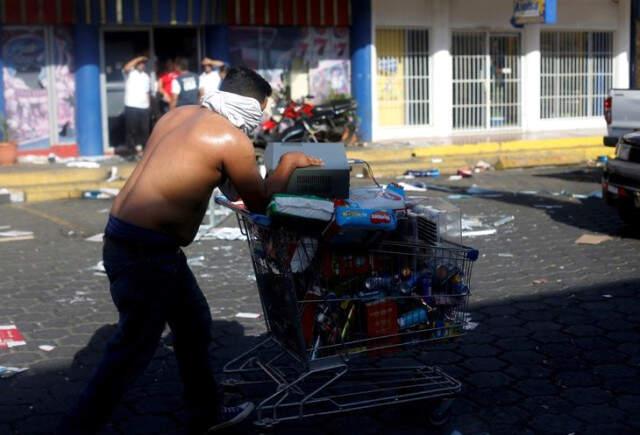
132	63
239	164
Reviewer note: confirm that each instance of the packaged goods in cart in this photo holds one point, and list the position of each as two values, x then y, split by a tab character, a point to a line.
391	197
349	217
301	206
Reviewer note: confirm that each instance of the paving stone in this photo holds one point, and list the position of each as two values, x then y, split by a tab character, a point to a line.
587	396
597	414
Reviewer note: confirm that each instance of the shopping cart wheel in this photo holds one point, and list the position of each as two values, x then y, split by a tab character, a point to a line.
440	412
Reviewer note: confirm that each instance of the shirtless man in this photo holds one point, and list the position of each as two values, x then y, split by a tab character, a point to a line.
191	151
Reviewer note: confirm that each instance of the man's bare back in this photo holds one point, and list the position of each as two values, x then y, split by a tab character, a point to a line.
191	151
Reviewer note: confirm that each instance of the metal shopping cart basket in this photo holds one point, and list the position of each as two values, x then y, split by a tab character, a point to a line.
339	307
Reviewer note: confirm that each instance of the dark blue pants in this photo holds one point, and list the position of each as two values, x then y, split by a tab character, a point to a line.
151	287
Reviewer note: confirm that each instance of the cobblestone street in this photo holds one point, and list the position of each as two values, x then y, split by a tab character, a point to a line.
556	349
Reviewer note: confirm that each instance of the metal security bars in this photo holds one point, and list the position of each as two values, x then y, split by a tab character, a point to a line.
403	77
576	73
486	80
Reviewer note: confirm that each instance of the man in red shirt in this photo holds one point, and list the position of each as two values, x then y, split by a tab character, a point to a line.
164	84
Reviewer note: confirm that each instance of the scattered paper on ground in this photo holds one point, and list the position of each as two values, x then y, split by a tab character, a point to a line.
504	254
478	233
83	164
412	187
196	261
592	239
224	233
540	281
95	238
7	372
98	268
248	315
14	235
504	220
46	347
10	336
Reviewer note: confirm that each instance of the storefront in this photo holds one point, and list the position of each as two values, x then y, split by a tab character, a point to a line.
62	59
461	67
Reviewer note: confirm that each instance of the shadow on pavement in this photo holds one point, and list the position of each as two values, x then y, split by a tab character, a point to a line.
552	362
584	175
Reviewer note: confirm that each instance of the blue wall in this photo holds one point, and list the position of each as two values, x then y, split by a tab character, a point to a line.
216	42
361	55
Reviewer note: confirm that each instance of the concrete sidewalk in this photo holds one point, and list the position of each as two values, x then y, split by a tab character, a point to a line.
387	159
504	151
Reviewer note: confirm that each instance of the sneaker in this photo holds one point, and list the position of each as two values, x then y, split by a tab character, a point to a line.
232	415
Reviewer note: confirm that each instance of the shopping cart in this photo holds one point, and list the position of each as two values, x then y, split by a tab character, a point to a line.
341	309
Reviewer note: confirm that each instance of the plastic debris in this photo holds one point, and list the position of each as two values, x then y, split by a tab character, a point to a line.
471	222
470	326
540	281
503	221
46	347
104	193
455	177
95	238
592	239
196	261
528	192
436	160
481	165
248	315
99	268
224	233
7	372
429	173
83	165
15	235
602	159
113	175
413	187
465	172
504	254
10	336
478	233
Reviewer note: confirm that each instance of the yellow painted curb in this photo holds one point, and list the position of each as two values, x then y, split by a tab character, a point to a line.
39	176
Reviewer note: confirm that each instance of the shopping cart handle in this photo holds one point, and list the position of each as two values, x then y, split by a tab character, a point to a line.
257	218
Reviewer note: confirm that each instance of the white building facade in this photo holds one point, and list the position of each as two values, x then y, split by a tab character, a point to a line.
454	67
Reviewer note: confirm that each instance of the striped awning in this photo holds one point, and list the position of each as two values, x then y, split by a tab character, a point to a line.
178	12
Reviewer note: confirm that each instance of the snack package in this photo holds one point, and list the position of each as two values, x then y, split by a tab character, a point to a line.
391	197
304	206
349	217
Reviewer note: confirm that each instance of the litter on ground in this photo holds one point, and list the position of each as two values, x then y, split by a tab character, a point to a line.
10	336
503	221
413	187
196	261
592	239
83	165
504	254
95	238
455	177
224	233
540	281
46	347
7	372
478	233
248	315
14	235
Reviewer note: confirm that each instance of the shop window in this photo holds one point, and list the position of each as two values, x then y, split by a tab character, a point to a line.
576	73
39	85
296	61
403	77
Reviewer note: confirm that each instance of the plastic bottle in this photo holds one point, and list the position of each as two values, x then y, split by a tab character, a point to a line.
380	282
413	318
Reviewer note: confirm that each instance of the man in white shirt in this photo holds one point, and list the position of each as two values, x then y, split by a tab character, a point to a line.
137	93
210	78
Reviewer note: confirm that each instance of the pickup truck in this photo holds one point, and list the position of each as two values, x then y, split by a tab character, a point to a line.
621	179
622	113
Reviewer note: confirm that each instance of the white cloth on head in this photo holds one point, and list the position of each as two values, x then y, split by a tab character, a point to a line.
209	82
243	112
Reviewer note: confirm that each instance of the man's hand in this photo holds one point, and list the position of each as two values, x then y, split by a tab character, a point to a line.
295	160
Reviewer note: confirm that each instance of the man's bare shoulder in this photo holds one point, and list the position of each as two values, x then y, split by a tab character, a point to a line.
208	126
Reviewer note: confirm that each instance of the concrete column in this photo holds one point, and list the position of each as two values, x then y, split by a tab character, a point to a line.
530	84
442	71
216	42
622	46
87	74
361	47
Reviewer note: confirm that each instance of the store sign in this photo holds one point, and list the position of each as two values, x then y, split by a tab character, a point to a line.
534	11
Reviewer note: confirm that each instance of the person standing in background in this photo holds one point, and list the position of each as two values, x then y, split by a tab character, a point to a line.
137	94
210	78
164	85
184	88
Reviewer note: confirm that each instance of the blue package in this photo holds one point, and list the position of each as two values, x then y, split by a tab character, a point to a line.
365	218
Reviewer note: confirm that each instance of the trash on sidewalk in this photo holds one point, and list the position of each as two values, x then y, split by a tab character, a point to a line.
413	187
83	164
95	238
46	347
528	192
478	233
436	160
104	193
7	372
423	173
10	336
196	261
481	165
505	254
14	235
104	210
224	233
455	177
113	175
592	239
248	315
7	196
540	281
98	269
503	221
465	172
